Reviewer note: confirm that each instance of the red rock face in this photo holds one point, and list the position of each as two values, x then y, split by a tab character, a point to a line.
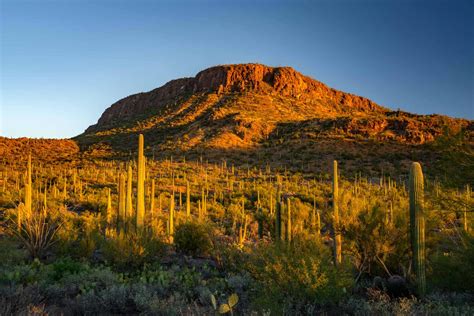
256	78
246	104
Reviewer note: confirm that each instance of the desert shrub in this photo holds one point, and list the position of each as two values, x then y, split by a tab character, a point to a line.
10	253
21	274
65	266
293	277
18	300
37	232
81	235
193	239
227	254
133	249
431	305
376	248
452	269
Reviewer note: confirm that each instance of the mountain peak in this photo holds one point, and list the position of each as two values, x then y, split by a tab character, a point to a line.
241	77
238	78
254	105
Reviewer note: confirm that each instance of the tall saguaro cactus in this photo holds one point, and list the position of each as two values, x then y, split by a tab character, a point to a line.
467	201
335	207
140	183
24	210
128	201
28	189
121	198
171	218
152	199
109	211
288	221
318	224
278	215
188	200
417	225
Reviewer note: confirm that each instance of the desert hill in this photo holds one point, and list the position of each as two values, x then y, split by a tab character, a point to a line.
252	112
41	148
256	115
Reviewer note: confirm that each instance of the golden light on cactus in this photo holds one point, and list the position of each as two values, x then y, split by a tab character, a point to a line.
128	199
109	210
417	225
171	218
335	207
122	199
140	213
188	200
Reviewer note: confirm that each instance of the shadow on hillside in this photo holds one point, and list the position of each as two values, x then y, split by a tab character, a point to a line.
297	147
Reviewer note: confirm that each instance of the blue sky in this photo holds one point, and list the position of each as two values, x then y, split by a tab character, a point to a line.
64	62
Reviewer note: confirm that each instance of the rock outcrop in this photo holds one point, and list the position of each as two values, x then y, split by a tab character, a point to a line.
224	79
231	107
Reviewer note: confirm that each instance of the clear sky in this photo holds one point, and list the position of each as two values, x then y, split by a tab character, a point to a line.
64	62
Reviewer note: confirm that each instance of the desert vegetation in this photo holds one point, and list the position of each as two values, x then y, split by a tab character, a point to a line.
191	237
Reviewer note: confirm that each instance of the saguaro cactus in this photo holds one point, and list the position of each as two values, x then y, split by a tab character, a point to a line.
188	201
109	208
417	225
140	183
278	215
152	199
467	201
28	189
121	199
335	207
288	221
318	223
171	218
65	190
128	202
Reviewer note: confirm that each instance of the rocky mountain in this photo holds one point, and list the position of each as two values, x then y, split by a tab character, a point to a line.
272	113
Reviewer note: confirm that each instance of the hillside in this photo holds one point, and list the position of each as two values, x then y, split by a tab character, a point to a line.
15	150
252	112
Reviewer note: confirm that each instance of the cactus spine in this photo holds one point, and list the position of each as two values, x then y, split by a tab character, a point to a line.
140	183
417	225
337	233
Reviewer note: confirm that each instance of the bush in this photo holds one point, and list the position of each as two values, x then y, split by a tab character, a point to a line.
66	266
37	232
192	239
296	277
452	270
132	250
431	305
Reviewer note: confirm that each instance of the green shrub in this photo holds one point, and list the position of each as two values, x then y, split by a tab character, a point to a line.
66	266
452	270
192	239
298	276
132	250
